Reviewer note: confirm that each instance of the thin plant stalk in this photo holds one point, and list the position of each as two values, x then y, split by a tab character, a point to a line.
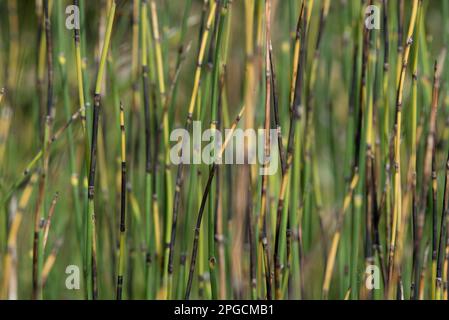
121	268
203	202
179	175
91	254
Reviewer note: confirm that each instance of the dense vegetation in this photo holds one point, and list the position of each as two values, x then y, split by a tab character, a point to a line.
86	177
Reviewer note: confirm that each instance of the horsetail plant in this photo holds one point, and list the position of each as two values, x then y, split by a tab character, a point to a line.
355	91
91	257
121	269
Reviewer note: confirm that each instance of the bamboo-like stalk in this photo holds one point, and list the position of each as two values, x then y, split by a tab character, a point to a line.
371	210
80	82
133	138
386	113
168	103
258	65
296	114
410	198
351	163
39	212
307	183
179	175
121	268
217	59
397	194
158	82
148	159
263	242
359	165
91	268
82	105
204	199
280	218
222	110
166	278
61	47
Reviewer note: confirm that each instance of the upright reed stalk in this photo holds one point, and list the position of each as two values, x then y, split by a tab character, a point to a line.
91	269
38	254
397	194
204	199
193	98
121	263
